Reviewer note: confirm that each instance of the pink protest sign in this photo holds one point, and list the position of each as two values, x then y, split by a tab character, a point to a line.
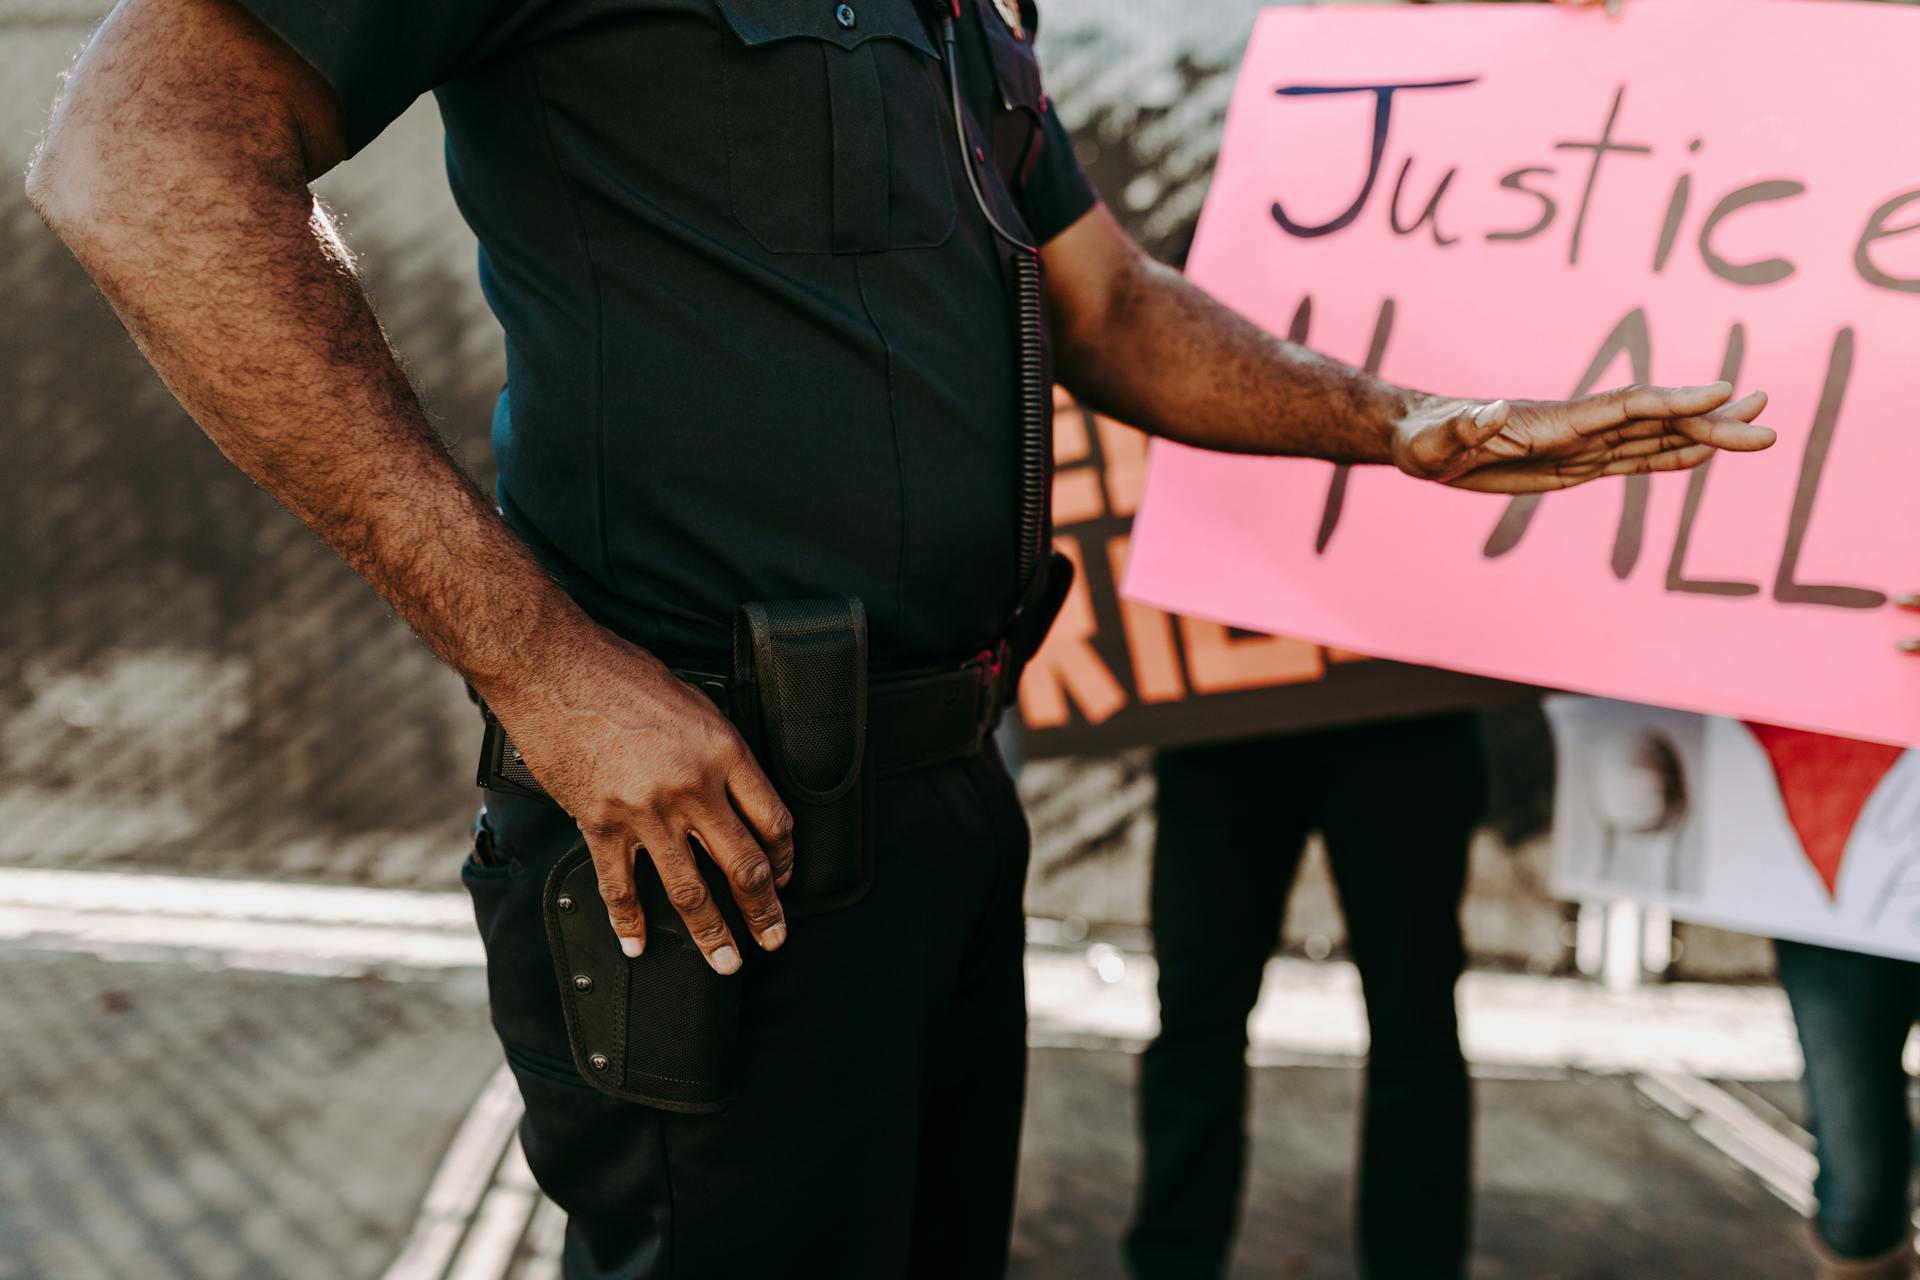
1524	201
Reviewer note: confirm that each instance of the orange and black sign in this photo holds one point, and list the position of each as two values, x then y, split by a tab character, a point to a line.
1116	674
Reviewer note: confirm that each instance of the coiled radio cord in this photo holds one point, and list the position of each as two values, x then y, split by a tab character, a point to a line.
1032	393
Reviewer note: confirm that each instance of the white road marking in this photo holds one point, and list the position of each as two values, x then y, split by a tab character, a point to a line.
220	898
1082	995
315	929
500	1221
546	1238
466	1172
1508	1021
1725	1123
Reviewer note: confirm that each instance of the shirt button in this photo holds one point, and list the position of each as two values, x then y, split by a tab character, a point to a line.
844	15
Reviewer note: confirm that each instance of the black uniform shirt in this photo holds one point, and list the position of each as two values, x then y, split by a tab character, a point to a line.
758	333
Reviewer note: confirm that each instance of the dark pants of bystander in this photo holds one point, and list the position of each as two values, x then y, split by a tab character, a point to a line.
1397	805
1853	1012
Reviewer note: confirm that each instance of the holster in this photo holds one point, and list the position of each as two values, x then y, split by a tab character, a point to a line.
1027	630
662	1029
801	672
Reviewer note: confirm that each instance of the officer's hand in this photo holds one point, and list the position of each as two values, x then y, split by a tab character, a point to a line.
1536	446
641	759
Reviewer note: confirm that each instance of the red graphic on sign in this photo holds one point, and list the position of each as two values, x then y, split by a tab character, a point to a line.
1825	782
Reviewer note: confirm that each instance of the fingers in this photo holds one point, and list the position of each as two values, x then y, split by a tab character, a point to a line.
1515	479
1683	459
1701	429
747	868
1469	430
1732	428
687	891
757	801
1646	446
1678	454
1483	424
612	849
734	849
1653	437
1614	408
1910	601
1746	408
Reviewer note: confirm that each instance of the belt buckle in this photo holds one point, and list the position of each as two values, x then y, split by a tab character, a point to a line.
991	666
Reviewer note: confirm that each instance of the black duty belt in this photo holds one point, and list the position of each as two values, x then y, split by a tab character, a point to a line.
915	719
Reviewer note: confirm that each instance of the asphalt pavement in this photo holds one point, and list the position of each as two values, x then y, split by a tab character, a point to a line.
248	1081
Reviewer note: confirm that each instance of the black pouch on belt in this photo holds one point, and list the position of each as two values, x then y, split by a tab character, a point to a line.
800	672
662	1029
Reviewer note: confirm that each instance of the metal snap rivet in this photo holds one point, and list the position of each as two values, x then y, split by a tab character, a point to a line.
844	15
598	1062
581	982
565	903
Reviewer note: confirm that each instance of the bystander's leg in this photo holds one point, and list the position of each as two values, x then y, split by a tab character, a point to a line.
1401	869
1853	1012
1233	819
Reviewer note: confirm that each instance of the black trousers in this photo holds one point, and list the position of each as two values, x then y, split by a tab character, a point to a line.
1397	805
883	1056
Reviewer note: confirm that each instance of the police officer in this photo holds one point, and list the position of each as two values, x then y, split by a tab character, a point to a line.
768	272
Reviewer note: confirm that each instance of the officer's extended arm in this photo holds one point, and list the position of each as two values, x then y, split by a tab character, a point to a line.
176	168
1138	340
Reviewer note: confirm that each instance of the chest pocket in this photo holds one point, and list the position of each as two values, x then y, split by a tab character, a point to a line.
836	141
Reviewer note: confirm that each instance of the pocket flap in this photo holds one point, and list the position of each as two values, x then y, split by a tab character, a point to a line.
764	21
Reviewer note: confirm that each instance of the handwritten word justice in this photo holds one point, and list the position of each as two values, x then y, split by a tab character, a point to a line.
1546	188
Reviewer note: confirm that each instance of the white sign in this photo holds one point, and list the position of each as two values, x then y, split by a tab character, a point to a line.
1767	831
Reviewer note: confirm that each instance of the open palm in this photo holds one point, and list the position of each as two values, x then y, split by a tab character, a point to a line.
1537	446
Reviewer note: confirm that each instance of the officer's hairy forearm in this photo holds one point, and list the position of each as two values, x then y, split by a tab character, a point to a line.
1137	340
176	168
